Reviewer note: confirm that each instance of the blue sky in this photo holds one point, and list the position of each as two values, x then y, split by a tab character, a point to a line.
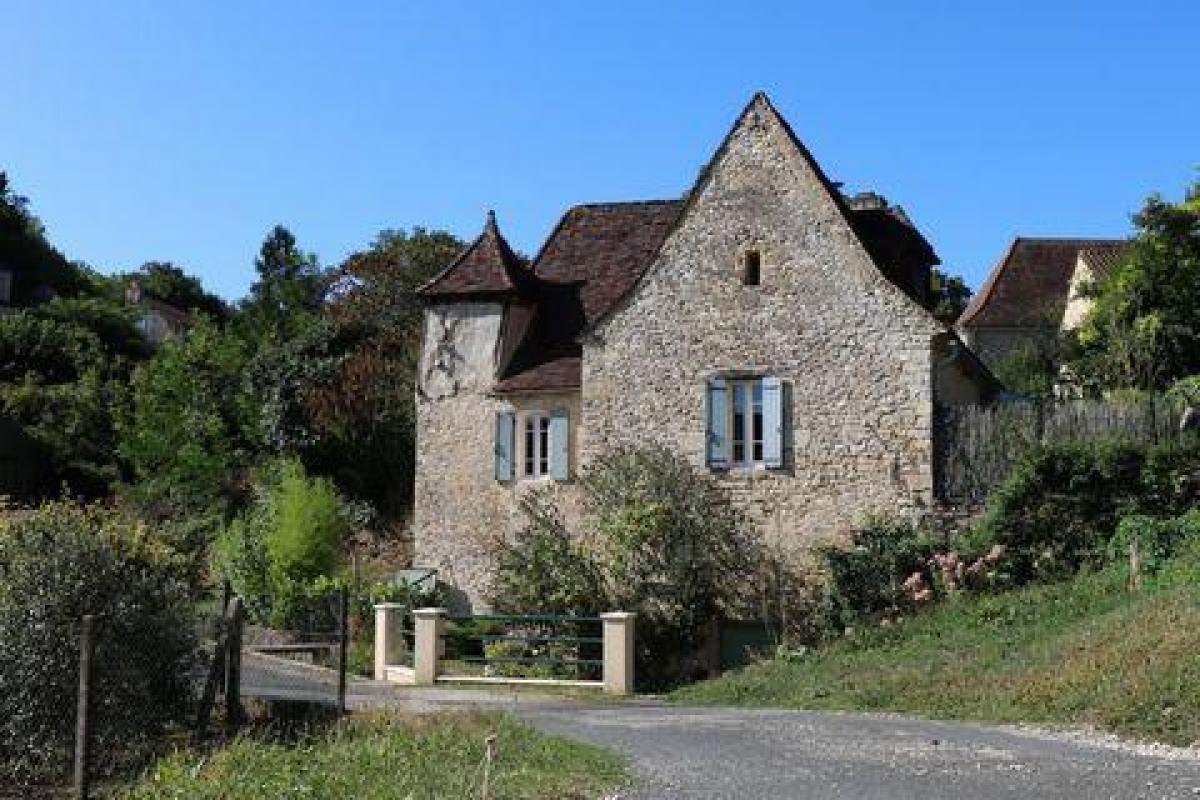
182	131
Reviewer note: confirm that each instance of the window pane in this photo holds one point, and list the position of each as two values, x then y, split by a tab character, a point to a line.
757	434
529	444
739	423
544	446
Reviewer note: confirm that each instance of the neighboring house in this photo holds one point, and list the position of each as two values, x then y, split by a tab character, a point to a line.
1034	292
763	326
157	319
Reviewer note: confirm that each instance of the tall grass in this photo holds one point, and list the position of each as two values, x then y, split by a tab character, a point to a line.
391	756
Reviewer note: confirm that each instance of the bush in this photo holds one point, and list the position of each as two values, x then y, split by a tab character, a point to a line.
1159	539
56	564
659	538
290	537
867	579
546	570
1057	509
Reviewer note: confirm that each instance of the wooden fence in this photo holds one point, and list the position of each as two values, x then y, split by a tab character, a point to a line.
975	447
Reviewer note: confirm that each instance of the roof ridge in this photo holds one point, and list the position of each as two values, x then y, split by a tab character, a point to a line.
490	232
1071	239
597	204
981	298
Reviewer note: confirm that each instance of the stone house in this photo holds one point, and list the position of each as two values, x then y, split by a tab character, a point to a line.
1034	292
157	320
764	326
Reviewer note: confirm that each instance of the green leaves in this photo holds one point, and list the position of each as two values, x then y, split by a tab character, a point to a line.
659	538
193	424
58	563
1144	329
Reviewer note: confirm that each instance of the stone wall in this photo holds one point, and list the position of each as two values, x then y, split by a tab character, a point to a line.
853	351
461	512
993	345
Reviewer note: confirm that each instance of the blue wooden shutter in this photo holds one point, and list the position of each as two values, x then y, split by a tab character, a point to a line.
772	422
560	440
505	424
716	437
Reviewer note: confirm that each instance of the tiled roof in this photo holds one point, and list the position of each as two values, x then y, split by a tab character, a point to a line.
1101	259
593	258
556	372
605	247
1028	287
486	266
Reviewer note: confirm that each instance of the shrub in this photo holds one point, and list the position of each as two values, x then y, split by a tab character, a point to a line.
659	538
546	569
56	564
308	528
1159	539
868	579
673	549
290	536
1059	506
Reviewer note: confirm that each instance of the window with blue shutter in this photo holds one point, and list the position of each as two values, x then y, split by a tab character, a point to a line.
560	433
745	423
505	425
772	421
716	438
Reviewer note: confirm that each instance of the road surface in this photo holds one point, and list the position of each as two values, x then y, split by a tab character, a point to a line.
746	754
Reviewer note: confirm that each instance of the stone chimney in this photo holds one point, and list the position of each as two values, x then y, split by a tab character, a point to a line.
867	201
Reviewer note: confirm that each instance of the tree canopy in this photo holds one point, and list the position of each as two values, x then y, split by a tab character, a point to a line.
1144	328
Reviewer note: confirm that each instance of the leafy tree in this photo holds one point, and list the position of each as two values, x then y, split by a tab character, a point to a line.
193	426
62	380
25	251
280	373
1144	328
361	413
948	296
289	291
172	285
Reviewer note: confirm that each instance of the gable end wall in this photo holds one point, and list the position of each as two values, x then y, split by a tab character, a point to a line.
854	352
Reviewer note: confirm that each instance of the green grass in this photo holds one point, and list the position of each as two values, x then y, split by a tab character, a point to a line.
391	756
1084	652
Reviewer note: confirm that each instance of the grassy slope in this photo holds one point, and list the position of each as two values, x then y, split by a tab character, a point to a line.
1082	652
389	756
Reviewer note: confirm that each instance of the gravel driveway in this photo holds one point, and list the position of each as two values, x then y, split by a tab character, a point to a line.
686	752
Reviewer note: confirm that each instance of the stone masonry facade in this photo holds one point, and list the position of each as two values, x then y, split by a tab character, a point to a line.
853	351
860	361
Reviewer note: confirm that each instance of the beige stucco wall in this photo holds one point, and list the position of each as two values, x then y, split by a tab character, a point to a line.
1078	303
853	351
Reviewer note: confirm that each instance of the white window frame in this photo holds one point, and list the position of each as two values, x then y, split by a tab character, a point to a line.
739	425
535	461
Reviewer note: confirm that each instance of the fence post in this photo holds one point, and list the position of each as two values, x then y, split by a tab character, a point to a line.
233	663
618	651
389	636
430	623
82	723
1135	566
343	637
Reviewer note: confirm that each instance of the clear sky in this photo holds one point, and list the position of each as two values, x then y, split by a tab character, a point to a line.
182	131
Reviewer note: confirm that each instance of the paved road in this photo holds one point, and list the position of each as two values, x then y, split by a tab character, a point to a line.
683	752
